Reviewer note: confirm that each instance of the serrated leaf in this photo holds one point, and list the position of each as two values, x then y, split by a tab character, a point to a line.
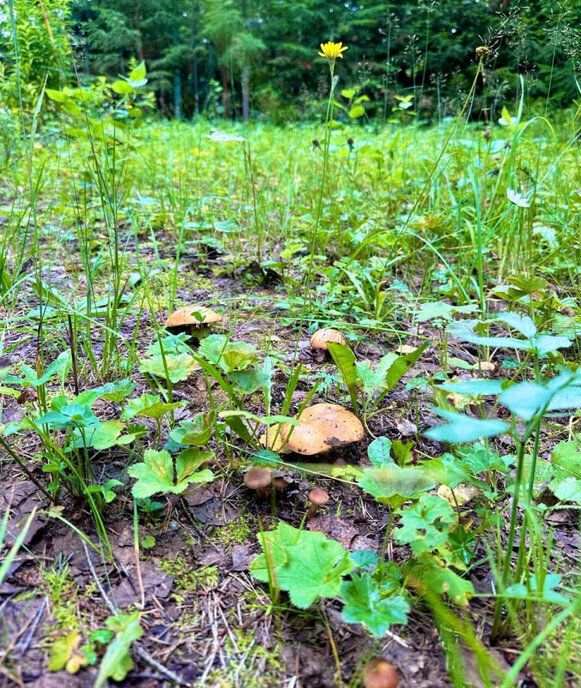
179	366
426	525
365	558
365	605
440	309
394	485
196	432
156	473
149	406
305	564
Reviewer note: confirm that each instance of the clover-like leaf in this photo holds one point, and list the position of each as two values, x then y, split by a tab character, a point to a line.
365	605
305	564
156	473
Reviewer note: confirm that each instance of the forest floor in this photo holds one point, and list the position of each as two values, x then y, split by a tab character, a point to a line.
187	229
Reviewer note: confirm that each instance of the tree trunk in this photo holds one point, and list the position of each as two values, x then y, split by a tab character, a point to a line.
245	92
137	19
225	91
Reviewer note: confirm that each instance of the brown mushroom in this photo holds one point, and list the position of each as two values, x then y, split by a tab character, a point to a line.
379	673
321	428
321	339
317	497
258	479
194	320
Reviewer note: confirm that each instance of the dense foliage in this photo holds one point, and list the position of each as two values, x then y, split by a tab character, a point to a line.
223	57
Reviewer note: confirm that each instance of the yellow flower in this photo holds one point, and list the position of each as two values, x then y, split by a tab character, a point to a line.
332	50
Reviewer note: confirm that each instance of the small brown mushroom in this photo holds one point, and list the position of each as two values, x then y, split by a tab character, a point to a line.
194	320
258	479
317	497
321	339
379	673
280	481
321	428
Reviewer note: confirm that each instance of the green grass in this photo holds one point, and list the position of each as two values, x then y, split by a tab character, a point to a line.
108	237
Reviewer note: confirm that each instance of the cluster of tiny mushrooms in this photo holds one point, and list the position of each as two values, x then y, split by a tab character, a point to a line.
320	429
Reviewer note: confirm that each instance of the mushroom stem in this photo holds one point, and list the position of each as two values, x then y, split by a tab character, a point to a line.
317	497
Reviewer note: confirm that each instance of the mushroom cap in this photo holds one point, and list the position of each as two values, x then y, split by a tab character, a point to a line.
379	673
186	315
321	338
257	478
322	427
318	496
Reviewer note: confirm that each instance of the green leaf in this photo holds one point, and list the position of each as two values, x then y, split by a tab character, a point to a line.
117	662
394	485
365	558
365	605
196	432
379	452
474	387
542	344
248	381
122	87
462	428
69	416
116	391
567	490
348	93
156	473
403	451
57	96
230	356
547	594
525	399
104	436
149	406
305	564
63	651
434	310
138	73
443	581
344	359
566	459
402	364
426	525
180	366
521	323
356	111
